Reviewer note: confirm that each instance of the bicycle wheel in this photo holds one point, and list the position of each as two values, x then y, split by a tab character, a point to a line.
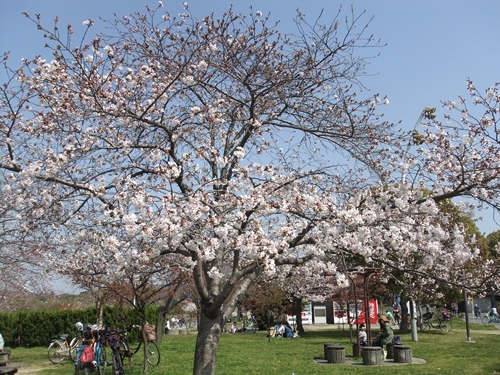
445	326
117	364
101	360
56	351
124	351
450	324
72	347
81	369
425	327
485	320
153	353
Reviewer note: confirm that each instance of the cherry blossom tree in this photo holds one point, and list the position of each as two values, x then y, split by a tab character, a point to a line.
224	148
21	276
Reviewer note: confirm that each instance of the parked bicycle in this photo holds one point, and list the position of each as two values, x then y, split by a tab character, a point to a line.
443	323
488	319
128	349
112	338
59	349
91	354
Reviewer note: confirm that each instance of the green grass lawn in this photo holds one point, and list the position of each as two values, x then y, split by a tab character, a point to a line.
251	353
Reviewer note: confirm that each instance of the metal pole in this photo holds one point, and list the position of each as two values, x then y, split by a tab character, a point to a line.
467	327
410	142
414	334
413	319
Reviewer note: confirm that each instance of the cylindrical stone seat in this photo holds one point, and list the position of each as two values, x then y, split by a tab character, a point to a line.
355	350
4	357
4	370
390	351
336	353
402	354
372	355
325	345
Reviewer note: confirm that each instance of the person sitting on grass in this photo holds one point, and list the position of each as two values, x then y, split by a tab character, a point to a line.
280	330
288	331
234	328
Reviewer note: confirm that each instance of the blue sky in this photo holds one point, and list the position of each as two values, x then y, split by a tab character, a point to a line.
433	46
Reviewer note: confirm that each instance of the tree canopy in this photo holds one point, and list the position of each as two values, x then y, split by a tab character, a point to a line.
225	149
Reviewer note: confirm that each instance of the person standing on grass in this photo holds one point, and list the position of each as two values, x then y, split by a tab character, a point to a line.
396	310
390	317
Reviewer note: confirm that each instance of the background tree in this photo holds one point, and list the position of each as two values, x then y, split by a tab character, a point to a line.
492	241
268	302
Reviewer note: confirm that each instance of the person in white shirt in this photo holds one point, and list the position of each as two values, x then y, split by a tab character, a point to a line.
280	330
494	311
167	326
362	337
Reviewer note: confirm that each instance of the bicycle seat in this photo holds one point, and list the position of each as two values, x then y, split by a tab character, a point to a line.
65	336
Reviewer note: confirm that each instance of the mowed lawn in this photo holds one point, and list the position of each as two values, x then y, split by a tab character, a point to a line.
253	353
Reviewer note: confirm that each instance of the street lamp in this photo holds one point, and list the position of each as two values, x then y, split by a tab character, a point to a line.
417	139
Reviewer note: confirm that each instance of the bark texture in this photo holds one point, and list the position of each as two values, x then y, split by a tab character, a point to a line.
209	332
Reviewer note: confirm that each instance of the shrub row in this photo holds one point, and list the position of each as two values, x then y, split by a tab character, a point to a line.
37	328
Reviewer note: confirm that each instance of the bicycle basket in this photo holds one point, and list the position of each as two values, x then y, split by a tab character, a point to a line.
446	315
427	315
150	330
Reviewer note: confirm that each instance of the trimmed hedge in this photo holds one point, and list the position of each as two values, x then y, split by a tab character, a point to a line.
37	328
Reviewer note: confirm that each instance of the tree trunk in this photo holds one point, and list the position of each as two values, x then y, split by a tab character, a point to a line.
99	309
207	342
145	351
160	325
403	324
298	315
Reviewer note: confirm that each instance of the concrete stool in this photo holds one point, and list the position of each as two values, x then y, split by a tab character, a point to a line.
372	355
355	350
390	351
8	370
402	354
325	345
336	354
4	357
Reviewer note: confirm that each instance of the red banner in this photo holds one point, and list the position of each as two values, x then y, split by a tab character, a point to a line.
361	315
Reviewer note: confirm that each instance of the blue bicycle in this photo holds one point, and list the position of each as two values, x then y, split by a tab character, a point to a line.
489	318
85	363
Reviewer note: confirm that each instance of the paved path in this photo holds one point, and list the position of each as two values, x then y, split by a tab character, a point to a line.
325	326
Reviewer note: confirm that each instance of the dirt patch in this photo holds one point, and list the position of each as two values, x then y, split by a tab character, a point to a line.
30	370
25	369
